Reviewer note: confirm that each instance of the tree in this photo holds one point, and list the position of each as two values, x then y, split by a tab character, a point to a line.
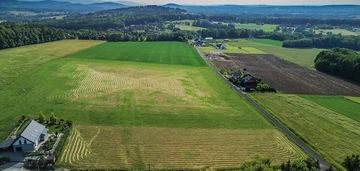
352	163
41	117
53	118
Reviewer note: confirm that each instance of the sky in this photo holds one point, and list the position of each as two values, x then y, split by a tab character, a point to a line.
240	2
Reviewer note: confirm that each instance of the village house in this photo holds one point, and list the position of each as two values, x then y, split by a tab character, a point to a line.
29	140
220	46
248	82
200	43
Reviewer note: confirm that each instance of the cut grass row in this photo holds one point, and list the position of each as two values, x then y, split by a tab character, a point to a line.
332	134
169	148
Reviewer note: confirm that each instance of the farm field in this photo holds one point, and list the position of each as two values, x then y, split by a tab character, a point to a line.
303	57
355	99
338	104
155	52
284	76
338	31
188	27
17	61
113	91
312	122
139	147
231	49
254	26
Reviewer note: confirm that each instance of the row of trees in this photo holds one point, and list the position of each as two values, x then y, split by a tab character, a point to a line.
340	62
14	35
329	41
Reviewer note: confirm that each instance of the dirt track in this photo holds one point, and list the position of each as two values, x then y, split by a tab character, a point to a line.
288	77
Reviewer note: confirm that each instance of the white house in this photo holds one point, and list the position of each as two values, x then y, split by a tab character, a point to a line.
29	139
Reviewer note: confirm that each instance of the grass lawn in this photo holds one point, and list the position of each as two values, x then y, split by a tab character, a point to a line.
17	61
303	57
253	26
338	31
169	116
338	104
332	134
154	52
355	99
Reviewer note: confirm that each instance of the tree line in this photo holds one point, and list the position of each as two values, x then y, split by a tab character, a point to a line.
328	41
14	35
340	62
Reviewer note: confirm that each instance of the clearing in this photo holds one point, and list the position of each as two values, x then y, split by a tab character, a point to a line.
312	122
284	76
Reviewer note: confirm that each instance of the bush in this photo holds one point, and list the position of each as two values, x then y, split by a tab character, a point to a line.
41	117
263	87
352	163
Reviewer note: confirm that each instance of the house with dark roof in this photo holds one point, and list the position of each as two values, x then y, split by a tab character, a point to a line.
28	140
220	46
248	82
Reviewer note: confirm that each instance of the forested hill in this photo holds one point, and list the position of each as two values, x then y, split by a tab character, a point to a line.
329	11
50	5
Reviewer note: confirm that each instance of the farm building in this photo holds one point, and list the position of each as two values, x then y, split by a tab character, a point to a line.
200	43
249	82
220	46
28	140
209	38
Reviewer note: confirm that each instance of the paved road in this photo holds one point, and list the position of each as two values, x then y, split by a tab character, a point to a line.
324	165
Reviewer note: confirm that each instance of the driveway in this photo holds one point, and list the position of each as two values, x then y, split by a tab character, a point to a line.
16	159
13	166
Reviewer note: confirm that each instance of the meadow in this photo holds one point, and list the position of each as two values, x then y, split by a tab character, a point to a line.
303	57
312	119
155	52
143	93
254	26
338	31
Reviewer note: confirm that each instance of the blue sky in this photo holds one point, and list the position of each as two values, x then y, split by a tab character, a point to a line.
241	2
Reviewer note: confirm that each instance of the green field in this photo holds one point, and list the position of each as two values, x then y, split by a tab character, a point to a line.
338	31
338	104
154	52
303	57
327	127
188	27
253	26
171	93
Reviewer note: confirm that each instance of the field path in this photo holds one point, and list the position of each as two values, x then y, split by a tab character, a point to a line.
324	165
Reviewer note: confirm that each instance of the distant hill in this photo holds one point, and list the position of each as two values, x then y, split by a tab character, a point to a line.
51	5
327	11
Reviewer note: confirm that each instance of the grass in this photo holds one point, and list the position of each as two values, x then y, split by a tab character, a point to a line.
173	148
232	49
303	57
17	61
188	27
338	104
338	31
154	52
254	26
268	42
142	95
332	134
355	99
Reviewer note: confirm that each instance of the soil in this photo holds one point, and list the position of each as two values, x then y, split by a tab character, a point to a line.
288	77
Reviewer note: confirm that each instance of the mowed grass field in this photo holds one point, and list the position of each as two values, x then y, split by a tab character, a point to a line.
338	31
169	148
303	57
16	62
324	122
124	106
254	26
155	52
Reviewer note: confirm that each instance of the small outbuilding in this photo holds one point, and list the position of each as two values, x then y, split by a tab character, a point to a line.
220	46
248	82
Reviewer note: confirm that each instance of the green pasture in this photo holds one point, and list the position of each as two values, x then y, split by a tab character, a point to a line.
338	31
327	126
154	52
338	104
254	26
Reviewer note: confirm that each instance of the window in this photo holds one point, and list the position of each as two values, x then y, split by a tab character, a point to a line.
20	142
25	142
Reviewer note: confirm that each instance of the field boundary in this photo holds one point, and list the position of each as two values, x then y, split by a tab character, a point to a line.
324	165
